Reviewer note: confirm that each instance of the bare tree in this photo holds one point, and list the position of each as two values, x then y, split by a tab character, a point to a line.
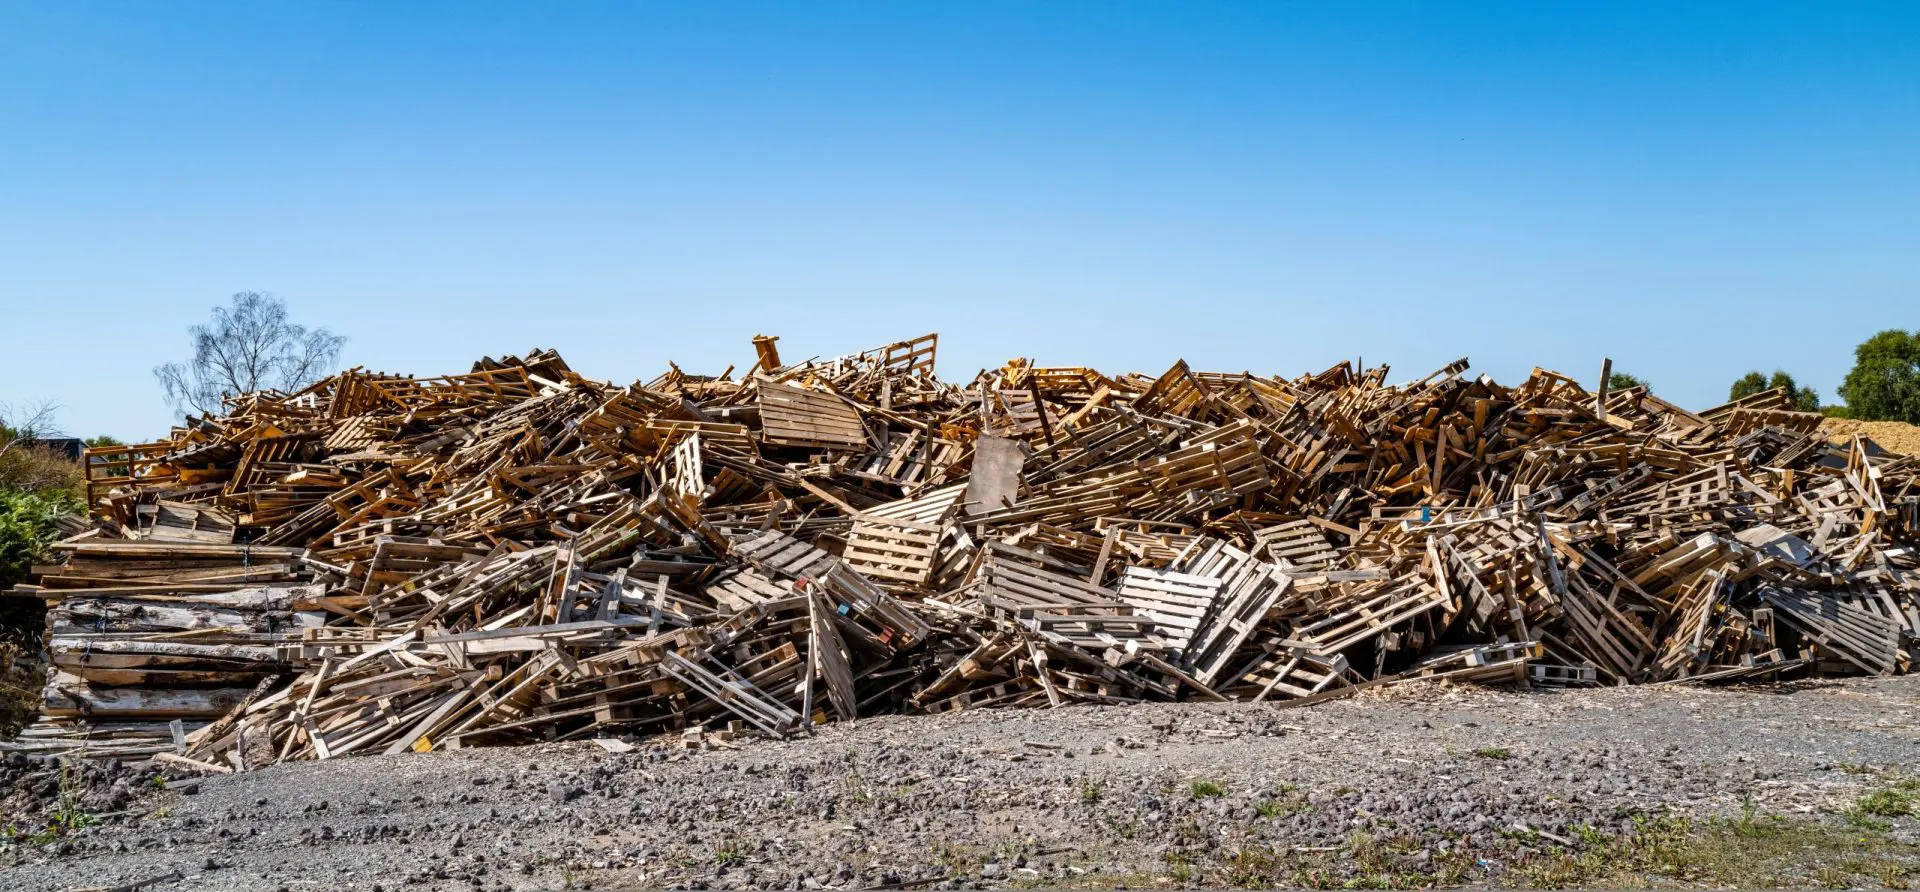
28	463
248	346
21	426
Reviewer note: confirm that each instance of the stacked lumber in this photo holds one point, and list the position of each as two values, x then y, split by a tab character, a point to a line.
148	638
381	563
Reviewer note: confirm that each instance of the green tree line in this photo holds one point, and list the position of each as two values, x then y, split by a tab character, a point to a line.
1884	384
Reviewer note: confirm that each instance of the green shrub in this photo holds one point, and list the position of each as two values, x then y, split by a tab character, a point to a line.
27	526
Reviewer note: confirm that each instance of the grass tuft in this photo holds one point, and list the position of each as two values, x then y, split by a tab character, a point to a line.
1203	788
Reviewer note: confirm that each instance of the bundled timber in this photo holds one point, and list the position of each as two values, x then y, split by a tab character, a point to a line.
380	563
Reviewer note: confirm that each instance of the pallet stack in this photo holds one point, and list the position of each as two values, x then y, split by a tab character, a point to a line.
381	563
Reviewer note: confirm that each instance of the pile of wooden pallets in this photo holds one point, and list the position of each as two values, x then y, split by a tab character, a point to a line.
382	563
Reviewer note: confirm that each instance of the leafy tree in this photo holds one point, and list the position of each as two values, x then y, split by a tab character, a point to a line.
1805	399
248	346
1885	382
113	464
1624	381
1748	385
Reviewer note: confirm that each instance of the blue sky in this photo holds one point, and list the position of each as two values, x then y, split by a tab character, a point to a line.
1694	189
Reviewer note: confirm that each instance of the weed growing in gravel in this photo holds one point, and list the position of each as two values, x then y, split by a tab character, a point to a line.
1896	801
1186	831
69	813
729	850
1589	835
1180	868
1286	800
1897	797
1751	851
856	788
1381	864
1864	821
1366	854
1499	753
1652	847
1202	788
1748	825
68	817
1255	868
956	858
1089	790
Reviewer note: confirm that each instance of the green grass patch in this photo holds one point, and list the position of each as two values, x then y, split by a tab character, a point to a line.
1202	788
1752	850
1896	797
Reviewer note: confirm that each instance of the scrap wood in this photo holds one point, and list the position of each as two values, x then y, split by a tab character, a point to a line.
381	563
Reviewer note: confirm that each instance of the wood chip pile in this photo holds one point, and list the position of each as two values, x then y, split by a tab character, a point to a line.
382	563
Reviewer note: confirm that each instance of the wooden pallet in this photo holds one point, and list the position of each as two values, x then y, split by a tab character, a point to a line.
1297	543
1250	590
801	418
1363	619
895	551
1860	637
1176	602
783	556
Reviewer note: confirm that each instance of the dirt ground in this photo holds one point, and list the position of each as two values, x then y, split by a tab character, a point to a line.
1810	784
1893	436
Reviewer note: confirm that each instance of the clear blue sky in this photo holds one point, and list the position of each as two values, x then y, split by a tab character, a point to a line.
1695	189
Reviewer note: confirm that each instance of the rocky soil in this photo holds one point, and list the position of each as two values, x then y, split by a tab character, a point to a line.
1427	784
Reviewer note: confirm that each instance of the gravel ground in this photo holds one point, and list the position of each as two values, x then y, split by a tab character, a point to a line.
1422	784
